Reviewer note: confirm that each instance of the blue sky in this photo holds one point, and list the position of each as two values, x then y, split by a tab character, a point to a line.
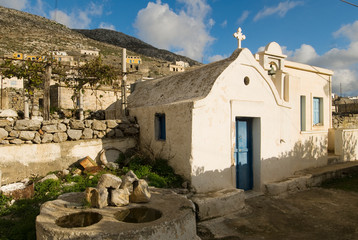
323	33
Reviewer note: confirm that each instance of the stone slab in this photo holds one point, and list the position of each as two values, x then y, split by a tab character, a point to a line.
220	203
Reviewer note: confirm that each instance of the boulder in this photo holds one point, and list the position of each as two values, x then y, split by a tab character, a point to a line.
97	198
74	134
99	125
27	125
109	181
77	124
119	197
8	113
127	182
50	128
50	176
111	123
27	135
3	133
47	138
87	133
140	192
61	127
60	137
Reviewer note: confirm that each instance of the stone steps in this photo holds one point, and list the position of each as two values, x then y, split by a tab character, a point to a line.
310	178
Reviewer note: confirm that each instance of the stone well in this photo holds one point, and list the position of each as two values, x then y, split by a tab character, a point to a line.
166	216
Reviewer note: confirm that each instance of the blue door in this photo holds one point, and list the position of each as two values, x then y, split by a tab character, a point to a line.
243	152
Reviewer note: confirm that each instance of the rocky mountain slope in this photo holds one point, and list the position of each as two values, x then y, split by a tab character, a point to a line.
133	44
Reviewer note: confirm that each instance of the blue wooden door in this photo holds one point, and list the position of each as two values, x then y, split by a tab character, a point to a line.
244	175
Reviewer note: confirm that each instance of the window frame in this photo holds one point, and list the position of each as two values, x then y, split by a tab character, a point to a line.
160	127
317	111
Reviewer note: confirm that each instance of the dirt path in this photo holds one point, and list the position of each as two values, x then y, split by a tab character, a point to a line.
313	214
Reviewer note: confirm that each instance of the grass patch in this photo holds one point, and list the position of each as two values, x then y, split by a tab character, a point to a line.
347	183
17	221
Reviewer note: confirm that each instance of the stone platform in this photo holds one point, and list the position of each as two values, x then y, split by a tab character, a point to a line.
166	216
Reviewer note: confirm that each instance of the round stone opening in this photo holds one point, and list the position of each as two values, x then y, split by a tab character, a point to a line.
81	219
138	215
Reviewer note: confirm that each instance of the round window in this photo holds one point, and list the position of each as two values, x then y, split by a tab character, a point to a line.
246	80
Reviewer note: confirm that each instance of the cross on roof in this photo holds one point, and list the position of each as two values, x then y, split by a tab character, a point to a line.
239	37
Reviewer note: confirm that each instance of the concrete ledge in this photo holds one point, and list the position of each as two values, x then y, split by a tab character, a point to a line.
220	203
310	178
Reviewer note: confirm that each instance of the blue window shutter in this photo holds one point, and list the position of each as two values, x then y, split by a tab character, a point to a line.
162	127
316	112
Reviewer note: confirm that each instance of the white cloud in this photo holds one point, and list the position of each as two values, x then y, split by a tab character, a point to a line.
16	4
344	62
243	17
185	32
281	9
224	23
107	26
77	18
216	58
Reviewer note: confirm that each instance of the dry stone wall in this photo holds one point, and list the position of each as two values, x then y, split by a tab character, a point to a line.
345	121
56	131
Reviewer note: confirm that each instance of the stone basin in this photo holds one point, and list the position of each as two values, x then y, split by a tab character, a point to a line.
166	216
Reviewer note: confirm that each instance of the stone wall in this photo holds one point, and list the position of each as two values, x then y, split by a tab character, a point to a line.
37	132
345	121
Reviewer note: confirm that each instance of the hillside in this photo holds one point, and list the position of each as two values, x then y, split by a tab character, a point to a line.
133	44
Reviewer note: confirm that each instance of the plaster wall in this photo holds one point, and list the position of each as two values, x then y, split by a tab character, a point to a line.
177	146
280	148
346	144
21	161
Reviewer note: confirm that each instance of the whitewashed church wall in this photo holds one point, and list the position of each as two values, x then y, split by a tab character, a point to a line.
177	145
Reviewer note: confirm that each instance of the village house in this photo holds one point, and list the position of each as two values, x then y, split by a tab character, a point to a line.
240	122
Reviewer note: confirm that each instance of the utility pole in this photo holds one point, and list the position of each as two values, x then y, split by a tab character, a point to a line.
123	83
48	74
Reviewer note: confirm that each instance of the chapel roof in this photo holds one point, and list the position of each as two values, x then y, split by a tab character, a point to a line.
187	86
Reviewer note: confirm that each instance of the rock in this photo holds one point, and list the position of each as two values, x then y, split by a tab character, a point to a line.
47	138
111	123
27	135
124	125
100	134
50	128
4	123
49	122
77	124
28	142
140	193
88	123
61	127
112	165
87	133
18	190
4	142
50	176
97	198
128	180
60	137
37	138
74	134
65	172
27	125
3	133
109	181
119	133
14	133
131	131
16	141
8	113
110	133
8	128
99	125
119	197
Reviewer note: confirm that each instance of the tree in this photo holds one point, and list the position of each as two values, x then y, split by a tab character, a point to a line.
92	74
32	74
